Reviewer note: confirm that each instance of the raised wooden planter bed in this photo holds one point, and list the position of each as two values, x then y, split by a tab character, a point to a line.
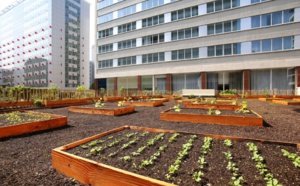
170	97
269	99
297	99
145	104
213	106
228	96
24	128
113	99
65	103
103	111
159	99
92	172
16	104
285	102
212	119
254	96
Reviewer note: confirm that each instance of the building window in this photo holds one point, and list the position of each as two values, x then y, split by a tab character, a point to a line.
105	33
155	20
105	63
126	27
126	11
105	3
127	61
185	33
185	54
105	18
222	27
152	58
257	1
274	18
151	4
222	5
184	13
156	38
127	44
275	44
105	48
222	50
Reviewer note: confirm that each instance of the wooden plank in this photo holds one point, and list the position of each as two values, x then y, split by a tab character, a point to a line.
213	119
16	104
145	104
282	102
103	111
24	128
213	106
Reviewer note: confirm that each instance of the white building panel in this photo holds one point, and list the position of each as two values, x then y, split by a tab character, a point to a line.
202	30
246	23
203	52
168	17
246	47
297	14
202	9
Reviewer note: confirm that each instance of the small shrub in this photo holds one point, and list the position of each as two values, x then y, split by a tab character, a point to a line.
38	102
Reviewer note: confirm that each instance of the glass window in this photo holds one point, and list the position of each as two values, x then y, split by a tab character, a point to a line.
219	50
144	22
266	20
211	29
174	35
155	38
188	33
180	34
288	43
150	58
155	20
210	7
266	45
235	3
227	26
236	48
180	14
227	4
161	56
187	12
174	16
180	54
161	37
276	18
255	21
195	52
255	46
227	49
144	58
218	5
188	53
288	16
149	21
211	51
195	11
236	25
174	55
161	18
219	28
277	44
195	32
155	57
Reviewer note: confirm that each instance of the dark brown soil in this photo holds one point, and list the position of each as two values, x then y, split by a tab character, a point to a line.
205	112
26	160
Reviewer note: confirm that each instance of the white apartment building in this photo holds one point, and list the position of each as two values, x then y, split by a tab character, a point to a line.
170	45
44	42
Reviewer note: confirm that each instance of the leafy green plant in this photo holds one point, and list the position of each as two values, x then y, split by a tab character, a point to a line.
121	103
38	102
126	158
293	157
191	96
177	108
243	109
173	137
228	92
197	176
228	143
211	111
99	103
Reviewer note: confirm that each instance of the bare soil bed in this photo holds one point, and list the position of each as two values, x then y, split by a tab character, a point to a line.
26	160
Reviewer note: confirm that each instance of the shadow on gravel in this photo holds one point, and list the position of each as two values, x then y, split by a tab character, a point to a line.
265	124
297	110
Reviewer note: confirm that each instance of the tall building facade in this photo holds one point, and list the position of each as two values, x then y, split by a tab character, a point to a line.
170	45
44	42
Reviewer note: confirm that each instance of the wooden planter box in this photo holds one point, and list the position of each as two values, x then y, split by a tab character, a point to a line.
159	99
16	104
91	172
145	104
65	103
269	99
103	111
254	96
297	99
170	97
228	96
24	128
213	106
114	99
283	102
212	119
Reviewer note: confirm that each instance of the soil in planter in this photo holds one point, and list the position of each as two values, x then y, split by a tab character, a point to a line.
107	105
14	118
204	112
215	170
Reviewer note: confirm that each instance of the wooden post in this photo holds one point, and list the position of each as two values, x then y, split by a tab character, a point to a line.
246	79
115	86
203	81
139	78
168	83
96	87
297	76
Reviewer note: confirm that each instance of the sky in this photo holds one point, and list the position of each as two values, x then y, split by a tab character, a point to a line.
6	3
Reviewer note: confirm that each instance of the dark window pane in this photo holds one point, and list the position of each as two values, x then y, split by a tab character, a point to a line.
211	51
218	5
188	33
180	14
236	25
211	29
161	18
227	49
288	16
180	54
210	7
155	38
266	20
219	28
195	11
149	21
287	43
181	34
144	59
266	45
195	32
187	12
227	26
155	20
277	44
255	21
150	58
227	4
161	38
155	57
174	16
256	46
174	55
174	35
195	52
188	53
276	18
161	56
